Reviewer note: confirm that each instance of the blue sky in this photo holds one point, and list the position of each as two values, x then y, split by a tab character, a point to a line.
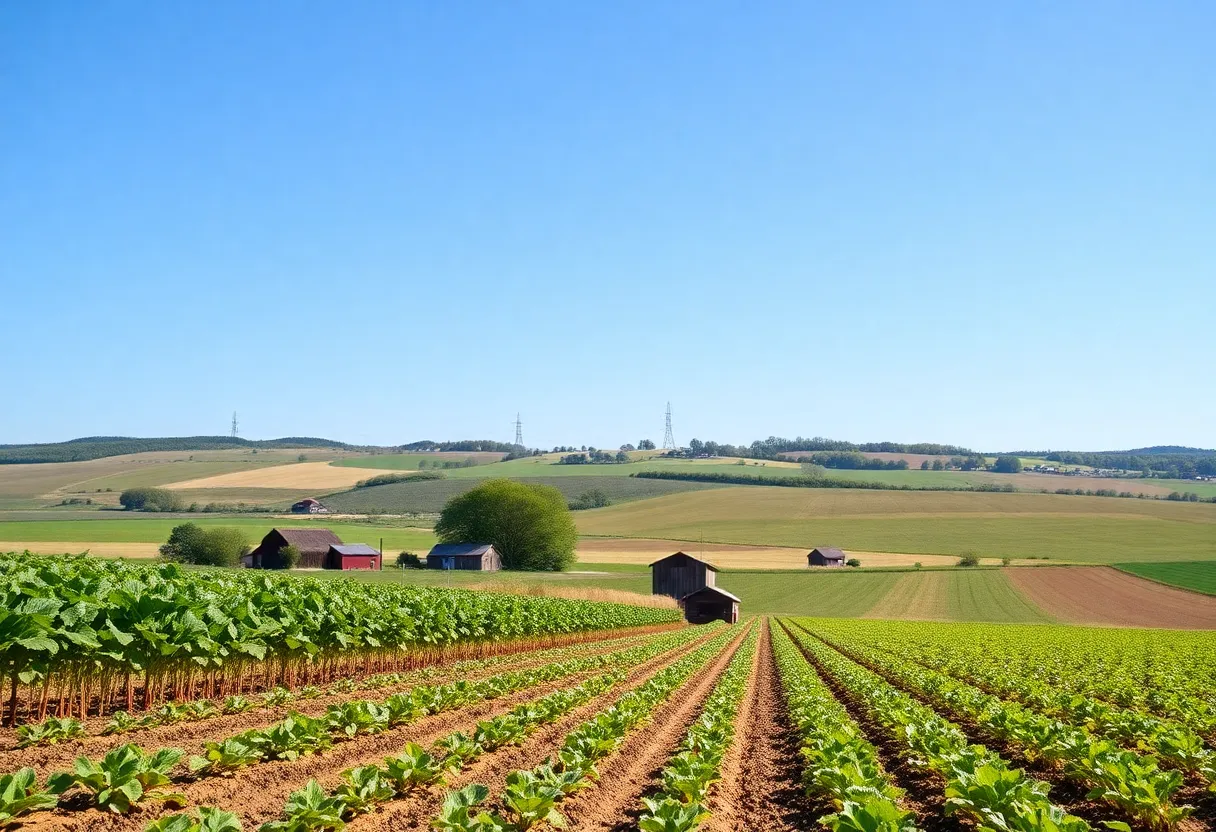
989	224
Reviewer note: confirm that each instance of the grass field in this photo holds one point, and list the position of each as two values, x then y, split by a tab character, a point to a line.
1199	576
1086	529
966	595
429	496
412	461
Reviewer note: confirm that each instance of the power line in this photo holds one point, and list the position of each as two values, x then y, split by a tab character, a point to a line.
669	439
519	431
234	424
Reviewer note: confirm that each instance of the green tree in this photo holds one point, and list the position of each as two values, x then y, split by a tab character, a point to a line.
149	499
184	544
924	466
289	556
810	469
190	543
646	445
529	525
1007	465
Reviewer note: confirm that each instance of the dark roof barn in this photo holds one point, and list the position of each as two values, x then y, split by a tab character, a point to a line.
313	545
679	574
711	604
481	557
825	556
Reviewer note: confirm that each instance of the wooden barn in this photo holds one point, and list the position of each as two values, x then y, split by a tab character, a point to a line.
308	506
711	604
825	556
313	545
352	556
478	557
680	574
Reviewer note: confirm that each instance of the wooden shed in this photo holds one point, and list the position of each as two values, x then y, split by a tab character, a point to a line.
481	557
679	575
313	545
308	506
711	604
825	556
352	556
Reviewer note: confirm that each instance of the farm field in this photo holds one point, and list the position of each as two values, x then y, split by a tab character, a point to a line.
1108	596
1199	576
413	461
1061	528
429	496
957	595
773	724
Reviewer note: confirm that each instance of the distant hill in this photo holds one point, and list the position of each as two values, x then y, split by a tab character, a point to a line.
96	447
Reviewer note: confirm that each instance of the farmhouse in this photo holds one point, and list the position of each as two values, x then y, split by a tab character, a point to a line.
352	556
482	557
825	556
309	506
711	604
313	545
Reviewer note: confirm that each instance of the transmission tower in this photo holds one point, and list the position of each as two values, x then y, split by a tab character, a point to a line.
234	424
669	439
519	431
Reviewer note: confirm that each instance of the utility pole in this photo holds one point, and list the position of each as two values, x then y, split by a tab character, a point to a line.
519	431
669	439
234	424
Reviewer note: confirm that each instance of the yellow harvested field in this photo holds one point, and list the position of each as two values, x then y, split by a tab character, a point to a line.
306	475
75	547
728	556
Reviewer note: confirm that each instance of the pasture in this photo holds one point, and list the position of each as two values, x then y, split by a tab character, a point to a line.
1199	576
1059	528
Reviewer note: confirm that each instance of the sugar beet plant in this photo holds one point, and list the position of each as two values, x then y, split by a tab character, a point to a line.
83	635
679	805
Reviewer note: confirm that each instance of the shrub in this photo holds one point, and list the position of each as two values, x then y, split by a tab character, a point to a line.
408	560
595	498
409	476
969	559
289	556
1007	465
150	499
190	543
852	562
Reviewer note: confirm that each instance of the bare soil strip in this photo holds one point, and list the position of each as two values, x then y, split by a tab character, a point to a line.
1105	596
760	789
190	736
1067	795
925	790
614	803
491	769
257	794
917	596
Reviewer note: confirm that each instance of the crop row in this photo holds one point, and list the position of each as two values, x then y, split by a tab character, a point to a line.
680	804
1168	740
979	784
86	633
128	775
1129	781
531	797
839	763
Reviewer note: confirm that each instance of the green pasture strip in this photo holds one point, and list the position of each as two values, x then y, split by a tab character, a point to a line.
1199	576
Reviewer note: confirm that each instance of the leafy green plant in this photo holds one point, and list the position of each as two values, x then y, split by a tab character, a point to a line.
412	769
668	815
362	789
19	795
227	756
310	810
528	800
120	723
237	704
210	819
49	732
122	778
460	812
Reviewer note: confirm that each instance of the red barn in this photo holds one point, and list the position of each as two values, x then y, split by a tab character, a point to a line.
352	556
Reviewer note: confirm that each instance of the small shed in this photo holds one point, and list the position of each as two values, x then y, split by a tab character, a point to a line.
308	506
313	545
352	556
679	574
478	557
825	556
711	604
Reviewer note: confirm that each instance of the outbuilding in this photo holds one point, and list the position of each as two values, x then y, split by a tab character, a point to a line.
711	604
478	557
679	574
313	545
308	506
352	556
825	556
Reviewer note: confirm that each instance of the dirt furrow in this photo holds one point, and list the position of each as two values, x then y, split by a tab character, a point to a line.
190	736
925	790
760	789
491	769
614	803
257	794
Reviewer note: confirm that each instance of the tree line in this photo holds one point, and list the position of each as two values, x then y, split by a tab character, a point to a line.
1169	465
98	447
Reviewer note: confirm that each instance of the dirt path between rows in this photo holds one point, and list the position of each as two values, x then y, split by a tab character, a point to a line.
491	769
760	789
614	803
1105	596
257	794
190	736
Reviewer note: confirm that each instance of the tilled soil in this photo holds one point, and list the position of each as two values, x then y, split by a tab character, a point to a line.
257	794
190	736
1104	595
614	803
760	789
491	769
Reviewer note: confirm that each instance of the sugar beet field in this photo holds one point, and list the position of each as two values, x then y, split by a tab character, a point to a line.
142	697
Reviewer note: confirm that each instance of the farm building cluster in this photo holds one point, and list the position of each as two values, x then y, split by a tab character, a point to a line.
318	548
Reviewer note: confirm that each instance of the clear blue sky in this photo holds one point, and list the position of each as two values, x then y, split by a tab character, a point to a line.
991	224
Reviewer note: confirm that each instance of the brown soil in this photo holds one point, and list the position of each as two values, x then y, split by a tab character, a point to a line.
760	789
491	769
257	794
614	803
190	736
1105	596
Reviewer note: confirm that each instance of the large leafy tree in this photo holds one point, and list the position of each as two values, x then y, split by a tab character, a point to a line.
529	525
